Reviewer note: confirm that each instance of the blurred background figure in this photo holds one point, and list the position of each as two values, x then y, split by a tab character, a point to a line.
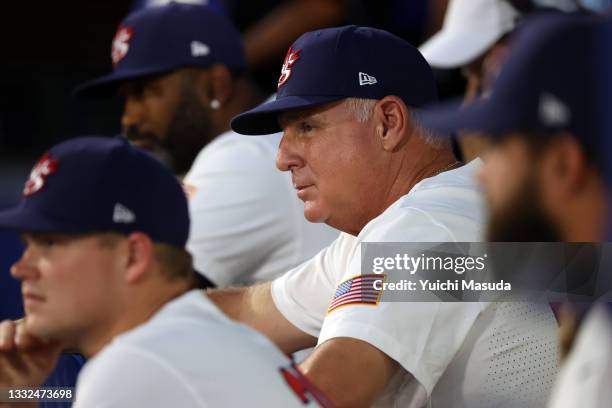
474	39
182	72
105	271
588	336
269	27
546	178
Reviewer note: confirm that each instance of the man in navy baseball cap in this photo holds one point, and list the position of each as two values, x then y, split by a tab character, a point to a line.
360	160
103	223
544	178
105	272
547	176
182	71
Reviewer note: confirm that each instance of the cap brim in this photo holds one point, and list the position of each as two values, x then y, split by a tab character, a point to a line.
263	119
451	49
483	116
108	85
22	219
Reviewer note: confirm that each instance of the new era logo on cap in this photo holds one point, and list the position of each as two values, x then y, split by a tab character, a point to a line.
199	49
365	79
552	111
122	214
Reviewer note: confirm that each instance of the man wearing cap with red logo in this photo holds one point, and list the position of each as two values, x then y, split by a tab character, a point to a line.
361	162
105	272
547	176
182	71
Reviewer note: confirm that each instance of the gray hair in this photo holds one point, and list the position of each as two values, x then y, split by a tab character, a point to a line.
362	110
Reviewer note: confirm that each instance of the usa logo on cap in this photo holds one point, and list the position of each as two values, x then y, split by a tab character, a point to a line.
42	169
290	59
121	44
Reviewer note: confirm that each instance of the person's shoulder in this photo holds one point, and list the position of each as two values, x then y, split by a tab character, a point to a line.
193	324
453	182
180	347
447	207
191	312
233	152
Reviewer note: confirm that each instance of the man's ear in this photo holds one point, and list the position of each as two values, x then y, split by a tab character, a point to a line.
391	121
220	85
140	256
565	166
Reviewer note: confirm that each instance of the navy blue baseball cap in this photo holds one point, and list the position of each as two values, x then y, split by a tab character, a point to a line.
337	63
550	83
97	184
160	39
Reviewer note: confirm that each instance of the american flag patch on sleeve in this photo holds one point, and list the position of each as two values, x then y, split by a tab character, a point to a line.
358	290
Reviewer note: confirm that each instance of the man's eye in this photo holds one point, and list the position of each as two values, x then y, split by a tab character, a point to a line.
49	242
305	127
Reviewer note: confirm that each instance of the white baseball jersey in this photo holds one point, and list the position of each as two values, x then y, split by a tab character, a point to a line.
247	224
187	355
461	354
585	380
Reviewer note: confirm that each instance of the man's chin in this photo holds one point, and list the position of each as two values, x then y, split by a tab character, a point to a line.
42	328
522	226
313	214
157	151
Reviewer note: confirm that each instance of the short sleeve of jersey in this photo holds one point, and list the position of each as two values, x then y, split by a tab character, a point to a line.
303	294
238	207
423	337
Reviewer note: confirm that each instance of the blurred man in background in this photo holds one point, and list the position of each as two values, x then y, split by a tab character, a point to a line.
105	271
544	177
474	38
182	71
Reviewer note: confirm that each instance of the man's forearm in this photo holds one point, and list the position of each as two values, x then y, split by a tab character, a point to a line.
350	372
254	307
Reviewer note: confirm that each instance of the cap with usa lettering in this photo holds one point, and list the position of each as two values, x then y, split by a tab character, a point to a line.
343	62
97	184
160	39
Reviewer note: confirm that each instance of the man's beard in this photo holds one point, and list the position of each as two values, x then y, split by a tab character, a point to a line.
190	129
522	219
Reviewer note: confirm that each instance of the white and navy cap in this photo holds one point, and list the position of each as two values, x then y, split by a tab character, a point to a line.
336	63
156	40
98	184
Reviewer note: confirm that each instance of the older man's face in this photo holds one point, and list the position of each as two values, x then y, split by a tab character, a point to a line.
335	163
68	284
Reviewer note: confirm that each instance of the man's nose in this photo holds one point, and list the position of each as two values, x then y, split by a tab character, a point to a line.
288	155
25	268
133	113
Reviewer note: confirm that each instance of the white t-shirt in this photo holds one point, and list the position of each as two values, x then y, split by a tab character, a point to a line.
461	354
585	380
247	224
187	355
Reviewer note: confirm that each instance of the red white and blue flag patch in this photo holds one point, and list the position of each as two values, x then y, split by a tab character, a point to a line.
357	291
